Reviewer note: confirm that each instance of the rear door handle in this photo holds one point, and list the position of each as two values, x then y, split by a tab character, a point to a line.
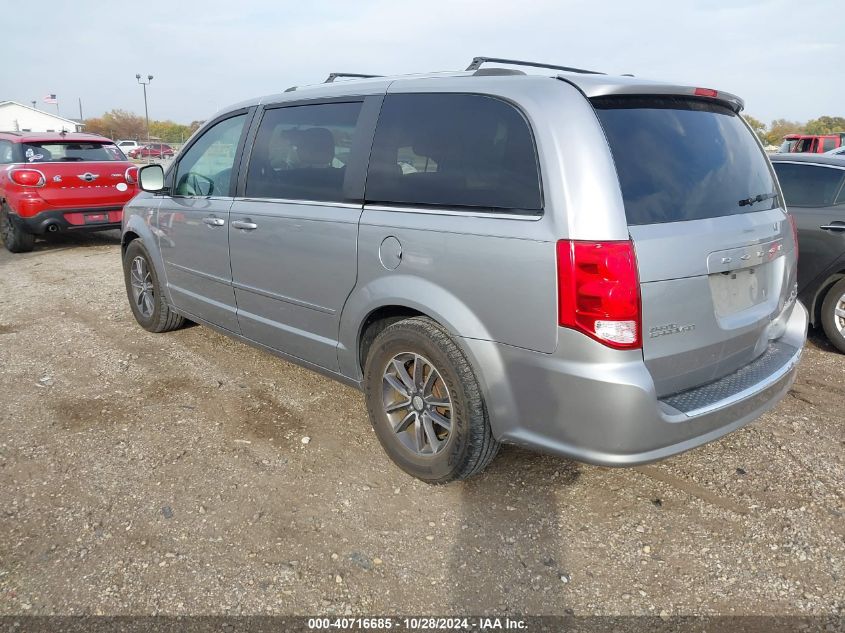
833	227
212	221
246	225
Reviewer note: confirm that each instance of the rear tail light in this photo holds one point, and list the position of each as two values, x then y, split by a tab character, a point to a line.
131	175
794	232
599	291
27	177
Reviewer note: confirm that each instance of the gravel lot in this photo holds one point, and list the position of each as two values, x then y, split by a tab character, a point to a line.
144	473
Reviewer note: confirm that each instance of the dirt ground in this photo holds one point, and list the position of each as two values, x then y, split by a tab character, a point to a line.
169	474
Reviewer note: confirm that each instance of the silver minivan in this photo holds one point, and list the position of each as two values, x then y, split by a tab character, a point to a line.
593	266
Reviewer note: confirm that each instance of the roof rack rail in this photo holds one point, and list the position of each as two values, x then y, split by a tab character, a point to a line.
334	76
477	61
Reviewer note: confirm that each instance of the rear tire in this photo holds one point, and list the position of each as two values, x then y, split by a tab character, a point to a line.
412	365
144	290
15	239
833	323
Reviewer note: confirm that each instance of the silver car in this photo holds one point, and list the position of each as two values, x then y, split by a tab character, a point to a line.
598	267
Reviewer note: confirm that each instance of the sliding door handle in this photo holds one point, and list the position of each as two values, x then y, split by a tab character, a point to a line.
212	221
246	225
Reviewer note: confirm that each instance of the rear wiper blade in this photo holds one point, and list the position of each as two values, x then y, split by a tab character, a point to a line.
758	198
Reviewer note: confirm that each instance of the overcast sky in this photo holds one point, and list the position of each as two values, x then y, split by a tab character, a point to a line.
784	57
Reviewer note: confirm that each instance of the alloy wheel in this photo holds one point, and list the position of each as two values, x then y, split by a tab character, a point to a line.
839	315
417	403
142	287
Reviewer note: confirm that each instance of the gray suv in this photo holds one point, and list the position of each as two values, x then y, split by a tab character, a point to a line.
598	267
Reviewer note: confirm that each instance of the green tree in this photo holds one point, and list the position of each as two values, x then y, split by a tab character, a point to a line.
780	128
117	124
825	125
170	132
758	126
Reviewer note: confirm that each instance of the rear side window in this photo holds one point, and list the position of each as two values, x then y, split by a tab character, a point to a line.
684	159
70	152
828	144
301	152
809	185
6	153
454	150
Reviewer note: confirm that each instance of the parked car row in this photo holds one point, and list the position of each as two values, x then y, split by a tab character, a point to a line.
152	150
134	149
593	266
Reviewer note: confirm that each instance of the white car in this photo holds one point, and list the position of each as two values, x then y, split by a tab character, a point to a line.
838	151
128	146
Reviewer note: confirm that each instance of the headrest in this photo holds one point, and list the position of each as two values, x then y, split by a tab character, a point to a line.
315	147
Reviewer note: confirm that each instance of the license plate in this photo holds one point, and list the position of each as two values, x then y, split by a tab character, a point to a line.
739	290
96	218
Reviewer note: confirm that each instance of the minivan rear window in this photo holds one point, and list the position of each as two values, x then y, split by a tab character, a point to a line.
684	159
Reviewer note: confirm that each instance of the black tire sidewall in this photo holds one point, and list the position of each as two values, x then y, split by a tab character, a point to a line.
20	241
137	249
446	464
829	316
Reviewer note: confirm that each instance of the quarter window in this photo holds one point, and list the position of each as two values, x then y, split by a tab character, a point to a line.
6	154
206	168
809	185
302	152
454	150
828	144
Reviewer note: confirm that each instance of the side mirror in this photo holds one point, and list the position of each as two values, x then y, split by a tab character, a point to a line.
151	178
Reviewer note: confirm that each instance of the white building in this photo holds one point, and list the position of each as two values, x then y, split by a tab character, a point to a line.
16	117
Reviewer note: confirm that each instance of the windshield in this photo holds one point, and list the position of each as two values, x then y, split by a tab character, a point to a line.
684	159
65	152
786	147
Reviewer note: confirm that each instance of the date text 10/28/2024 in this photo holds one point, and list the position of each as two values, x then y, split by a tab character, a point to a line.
418	624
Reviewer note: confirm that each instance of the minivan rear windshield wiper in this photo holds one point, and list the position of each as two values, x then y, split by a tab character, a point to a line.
758	198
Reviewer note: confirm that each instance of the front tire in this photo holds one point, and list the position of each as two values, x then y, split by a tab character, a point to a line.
425	403
144	290
833	315
15	239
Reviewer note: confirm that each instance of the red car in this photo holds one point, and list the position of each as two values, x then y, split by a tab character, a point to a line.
153	150
812	143
53	182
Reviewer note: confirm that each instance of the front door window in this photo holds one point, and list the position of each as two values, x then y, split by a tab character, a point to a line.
206	168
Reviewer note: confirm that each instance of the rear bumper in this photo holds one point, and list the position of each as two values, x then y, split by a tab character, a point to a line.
70	220
600	406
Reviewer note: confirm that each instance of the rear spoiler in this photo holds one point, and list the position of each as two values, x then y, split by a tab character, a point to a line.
593	86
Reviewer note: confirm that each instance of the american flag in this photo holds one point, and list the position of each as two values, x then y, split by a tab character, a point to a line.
50	99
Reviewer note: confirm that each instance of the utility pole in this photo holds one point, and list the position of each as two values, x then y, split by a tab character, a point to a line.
146	111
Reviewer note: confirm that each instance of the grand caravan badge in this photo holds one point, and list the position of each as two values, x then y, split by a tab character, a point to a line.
671	328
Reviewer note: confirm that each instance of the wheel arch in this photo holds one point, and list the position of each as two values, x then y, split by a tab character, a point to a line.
393	296
820	294
136	226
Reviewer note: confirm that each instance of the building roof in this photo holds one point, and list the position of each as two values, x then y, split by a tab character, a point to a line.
50	114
